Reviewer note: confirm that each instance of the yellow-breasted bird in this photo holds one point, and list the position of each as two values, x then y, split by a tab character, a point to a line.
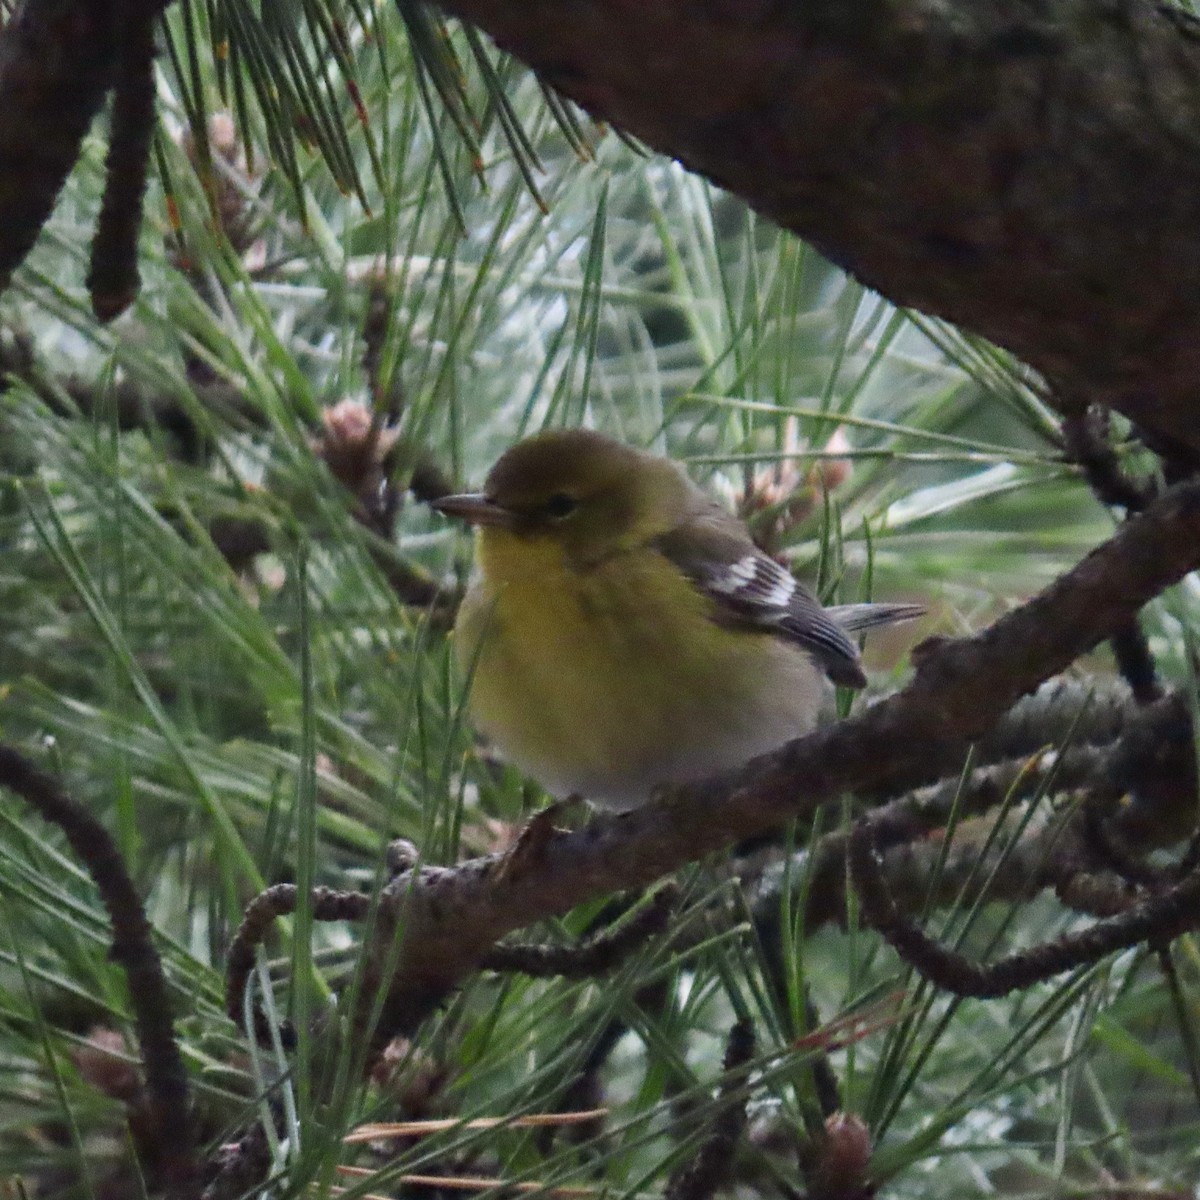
625	632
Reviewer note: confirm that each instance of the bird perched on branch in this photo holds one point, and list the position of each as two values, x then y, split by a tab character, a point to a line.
625	632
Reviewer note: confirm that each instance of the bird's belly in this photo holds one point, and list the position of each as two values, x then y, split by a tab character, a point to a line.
695	698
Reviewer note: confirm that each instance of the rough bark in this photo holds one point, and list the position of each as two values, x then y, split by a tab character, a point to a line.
1027	169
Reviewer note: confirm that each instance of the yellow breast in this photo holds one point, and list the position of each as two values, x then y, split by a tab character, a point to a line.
611	680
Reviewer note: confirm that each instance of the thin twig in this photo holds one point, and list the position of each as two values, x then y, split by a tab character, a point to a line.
395	1129
260	914
1158	920
133	948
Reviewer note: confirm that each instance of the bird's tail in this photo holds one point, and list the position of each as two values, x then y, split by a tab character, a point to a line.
853	617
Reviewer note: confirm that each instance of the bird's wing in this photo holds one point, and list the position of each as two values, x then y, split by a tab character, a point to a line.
750	588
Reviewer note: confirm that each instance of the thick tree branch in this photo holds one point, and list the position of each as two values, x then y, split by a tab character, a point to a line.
57	62
1026	170
449	917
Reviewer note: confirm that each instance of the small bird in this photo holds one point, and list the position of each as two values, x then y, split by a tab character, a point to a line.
624	632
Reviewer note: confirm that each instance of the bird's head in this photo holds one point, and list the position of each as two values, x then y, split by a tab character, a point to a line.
588	493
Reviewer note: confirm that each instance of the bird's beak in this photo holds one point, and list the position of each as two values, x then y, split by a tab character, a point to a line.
474	508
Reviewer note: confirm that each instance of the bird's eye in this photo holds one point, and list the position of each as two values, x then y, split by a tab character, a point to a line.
560	505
